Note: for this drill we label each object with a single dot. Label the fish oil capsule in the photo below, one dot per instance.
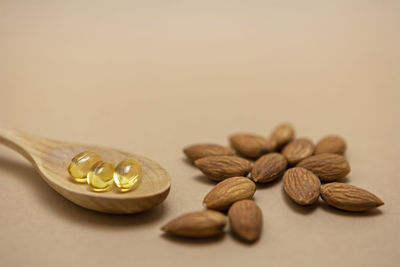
(80, 165)
(100, 176)
(127, 175)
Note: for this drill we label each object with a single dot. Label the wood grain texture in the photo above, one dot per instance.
(172, 73)
(51, 158)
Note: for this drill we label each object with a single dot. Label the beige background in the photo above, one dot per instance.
(151, 77)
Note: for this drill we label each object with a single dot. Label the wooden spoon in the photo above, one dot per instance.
(51, 158)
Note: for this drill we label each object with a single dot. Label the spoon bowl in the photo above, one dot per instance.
(51, 158)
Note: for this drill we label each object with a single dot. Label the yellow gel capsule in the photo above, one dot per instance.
(100, 176)
(80, 165)
(127, 175)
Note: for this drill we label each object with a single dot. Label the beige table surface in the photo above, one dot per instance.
(151, 77)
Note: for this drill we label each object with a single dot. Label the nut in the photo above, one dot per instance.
(327, 167)
(298, 150)
(301, 185)
(198, 151)
(219, 168)
(268, 168)
(229, 191)
(349, 197)
(205, 223)
(251, 145)
(246, 220)
(331, 144)
(283, 134)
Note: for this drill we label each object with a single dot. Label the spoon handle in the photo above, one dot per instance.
(29, 146)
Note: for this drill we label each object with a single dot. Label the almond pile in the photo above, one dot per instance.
(258, 159)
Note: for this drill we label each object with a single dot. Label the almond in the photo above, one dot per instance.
(283, 134)
(198, 151)
(205, 223)
(301, 185)
(327, 167)
(331, 144)
(298, 150)
(251, 145)
(219, 168)
(229, 191)
(246, 220)
(269, 167)
(349, 197)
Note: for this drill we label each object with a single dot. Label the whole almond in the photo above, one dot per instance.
(251, 145)
(349, 197)
(268, 168)
(298, 150)
(205, 223)
(219, 168)
(246, 220)
(331, 144)
(301, 185)
(283, 134)
(198, 151)
(230, 190)
(327, 167)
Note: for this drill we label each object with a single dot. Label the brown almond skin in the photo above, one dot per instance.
(301, 186)
(246, 220)
(198, 151)
(268, 168)
(327, 166)
(218, 168)
(227, 192)
(283, 134)
(331, 144)
(298, 150)
(207, 223)
(251, 145)
(349, 197)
